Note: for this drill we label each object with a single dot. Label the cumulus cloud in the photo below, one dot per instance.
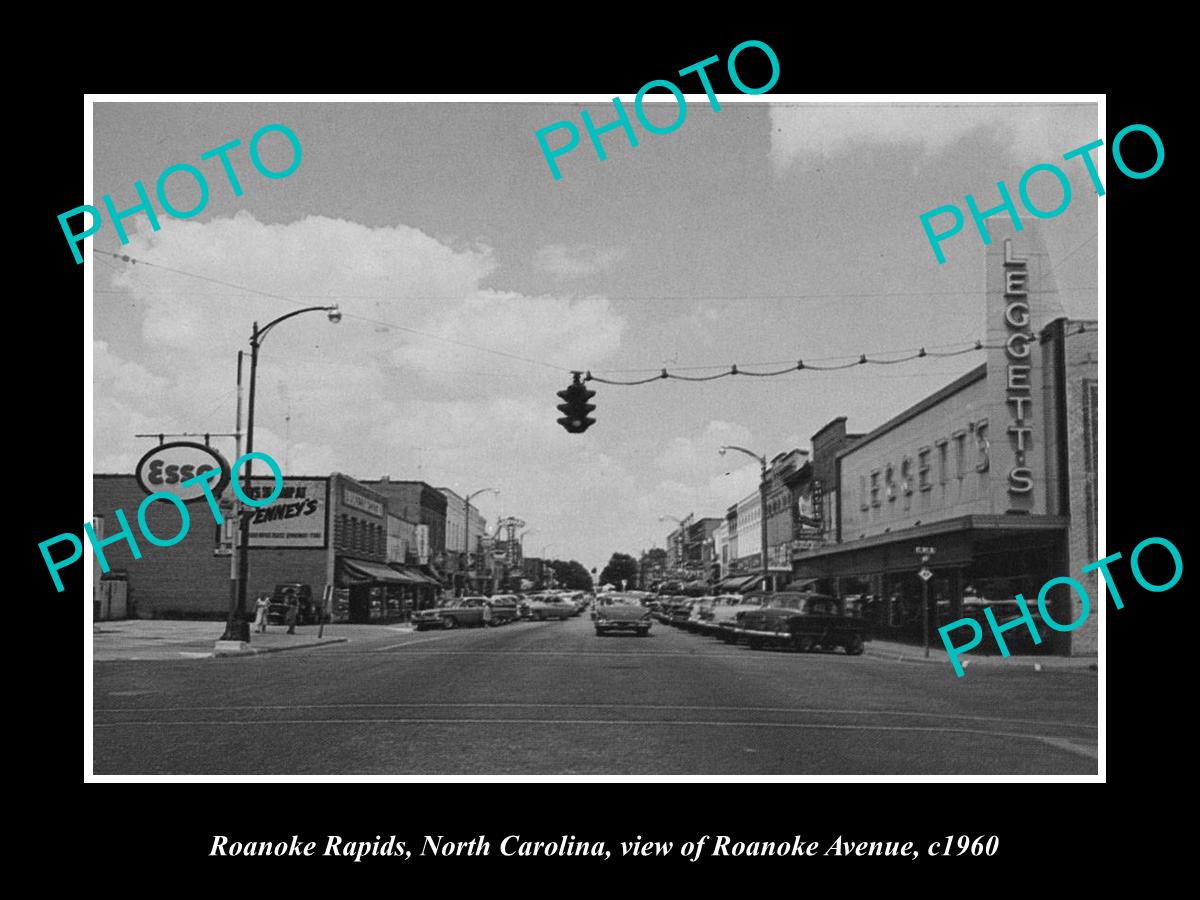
(577, 261)
(362, 395)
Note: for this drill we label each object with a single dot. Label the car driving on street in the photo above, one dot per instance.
(623, 614)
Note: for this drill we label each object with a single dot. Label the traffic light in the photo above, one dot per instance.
(575, 407)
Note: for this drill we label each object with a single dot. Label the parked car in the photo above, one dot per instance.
(623, 614)
(277, 609)
(725, 616)
(504, 608)
(548, 607)
(454, 612)
(802, 621)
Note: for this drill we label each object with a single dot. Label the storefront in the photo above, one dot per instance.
(987, 486)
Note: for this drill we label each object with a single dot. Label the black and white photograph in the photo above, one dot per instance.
(693, 433)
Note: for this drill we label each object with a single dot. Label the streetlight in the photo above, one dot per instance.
(762, 492)
(467, 525)
(236, 628)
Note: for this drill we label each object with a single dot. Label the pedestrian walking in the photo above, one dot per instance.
(293, 609)
(260, 613)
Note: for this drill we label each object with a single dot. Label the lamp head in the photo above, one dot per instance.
(722, 450)
(335, 314)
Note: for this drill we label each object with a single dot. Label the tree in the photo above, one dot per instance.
(621, 567)
(571, 575)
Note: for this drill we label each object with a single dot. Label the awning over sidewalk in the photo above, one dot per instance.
(739, 583)
(362, 570)
(413, 576)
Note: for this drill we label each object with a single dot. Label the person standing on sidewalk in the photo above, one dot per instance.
(293, 609)
(260, 613)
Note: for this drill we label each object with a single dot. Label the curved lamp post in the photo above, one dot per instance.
(467, 526)
(762, 493)
(236, 629)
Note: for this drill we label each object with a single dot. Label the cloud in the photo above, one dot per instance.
(801, 133)
(575, 262)
(375, 394)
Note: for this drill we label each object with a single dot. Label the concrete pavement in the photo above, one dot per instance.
(163, 639)
(553, 698)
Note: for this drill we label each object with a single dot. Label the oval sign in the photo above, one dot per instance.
(167, 466)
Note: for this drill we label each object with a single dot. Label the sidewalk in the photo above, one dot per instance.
(161, 639)
(938, 656)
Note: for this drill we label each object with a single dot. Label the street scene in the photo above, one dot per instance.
(537, 697)
(411, 459)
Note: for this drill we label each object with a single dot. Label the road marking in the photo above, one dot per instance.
(409, 643)
(1071, 746)
(668, 723)
(618, 706)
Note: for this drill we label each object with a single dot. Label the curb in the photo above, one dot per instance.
(255, 652)
(1037, 663)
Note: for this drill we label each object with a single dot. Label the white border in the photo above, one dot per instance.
(883, 99)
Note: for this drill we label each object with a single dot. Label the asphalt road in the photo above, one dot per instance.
(553, 698)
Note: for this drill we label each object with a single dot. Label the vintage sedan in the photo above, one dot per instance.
(503, 608)
(623, 614)
(455, 612)
(549, 607)
(801, 621)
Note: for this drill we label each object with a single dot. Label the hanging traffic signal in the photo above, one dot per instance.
(575, 407)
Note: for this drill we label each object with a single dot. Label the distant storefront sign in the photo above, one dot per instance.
(358, 501)
(297, 518)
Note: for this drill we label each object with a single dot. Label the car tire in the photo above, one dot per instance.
(600, 632)
(803, 644)
(854, 646)
(645, 632)
(449, 622)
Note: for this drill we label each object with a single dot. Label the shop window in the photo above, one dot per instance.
(923, 467)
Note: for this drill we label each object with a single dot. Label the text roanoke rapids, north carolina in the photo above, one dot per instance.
(569, 845)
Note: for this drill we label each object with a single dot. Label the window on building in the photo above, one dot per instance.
(865, 501)
(875, 487)
(943, 460)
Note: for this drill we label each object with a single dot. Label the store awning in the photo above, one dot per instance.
(413, 576)
(738, 583)
(362, 570)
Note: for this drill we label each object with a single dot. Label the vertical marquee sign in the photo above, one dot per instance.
(1021, 300)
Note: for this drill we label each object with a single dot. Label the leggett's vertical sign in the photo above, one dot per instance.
(1017, 318)
(1021, 299)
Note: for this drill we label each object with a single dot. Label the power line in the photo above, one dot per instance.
(537, 362)
(813, 365)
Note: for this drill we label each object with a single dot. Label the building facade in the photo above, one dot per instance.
(995, 472)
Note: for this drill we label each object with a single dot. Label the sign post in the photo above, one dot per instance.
(924, 573)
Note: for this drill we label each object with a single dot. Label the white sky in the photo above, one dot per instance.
(760, 233)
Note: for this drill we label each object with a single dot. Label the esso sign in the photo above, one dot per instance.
(167, 466)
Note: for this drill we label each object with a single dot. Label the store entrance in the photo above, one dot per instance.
(360, 602)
